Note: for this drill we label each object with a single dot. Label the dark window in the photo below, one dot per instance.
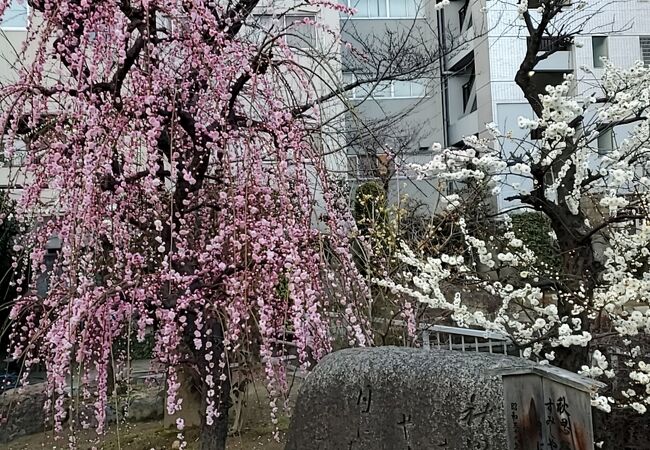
(599, 47)
(467, 94)
(367, 166)
(364, 167)
(537, 133)
(645, 49)
(462, 12)
(605, 141)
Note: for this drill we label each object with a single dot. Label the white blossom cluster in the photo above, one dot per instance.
(615, 182)
(453, 163)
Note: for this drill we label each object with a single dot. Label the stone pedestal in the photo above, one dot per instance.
(22, 412)
(392, 398)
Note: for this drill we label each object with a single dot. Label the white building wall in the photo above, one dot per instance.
(622, 23)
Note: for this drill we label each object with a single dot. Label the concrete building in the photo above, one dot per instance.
(479, 86)
(13, 31)
(472, 50)
(482, 44)
(393, 123)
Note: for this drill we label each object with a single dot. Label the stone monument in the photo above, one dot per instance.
(390, 398)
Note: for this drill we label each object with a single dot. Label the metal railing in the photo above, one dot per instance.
(457, 338)
(549, 44)
(466, 339)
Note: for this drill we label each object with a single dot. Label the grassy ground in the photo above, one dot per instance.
(147, 436)
(257, 432)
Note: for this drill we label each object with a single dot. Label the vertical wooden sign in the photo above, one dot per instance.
(548, 410)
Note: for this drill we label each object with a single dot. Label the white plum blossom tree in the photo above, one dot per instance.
(589, 313)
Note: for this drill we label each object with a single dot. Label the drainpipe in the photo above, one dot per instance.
(442, 69)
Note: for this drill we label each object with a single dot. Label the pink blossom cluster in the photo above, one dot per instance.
(180, 182)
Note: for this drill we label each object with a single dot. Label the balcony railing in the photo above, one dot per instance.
(549, 44)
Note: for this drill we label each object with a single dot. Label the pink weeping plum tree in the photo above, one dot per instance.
(179, 178)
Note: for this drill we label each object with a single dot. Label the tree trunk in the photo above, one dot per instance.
(213, 435)
(579, 268)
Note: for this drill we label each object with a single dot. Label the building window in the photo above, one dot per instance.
(403, 8)
(369, 8)
(297, 30)
(605, 141)
(462, 14)
(599, 47)
(368, 167)
(362, 167)
(15, 16)
(408, 89)
(353, 167)
(18, 153)
(396, 9)
(386, 89)
(302, 31)
(469, 93)
(645, 49)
